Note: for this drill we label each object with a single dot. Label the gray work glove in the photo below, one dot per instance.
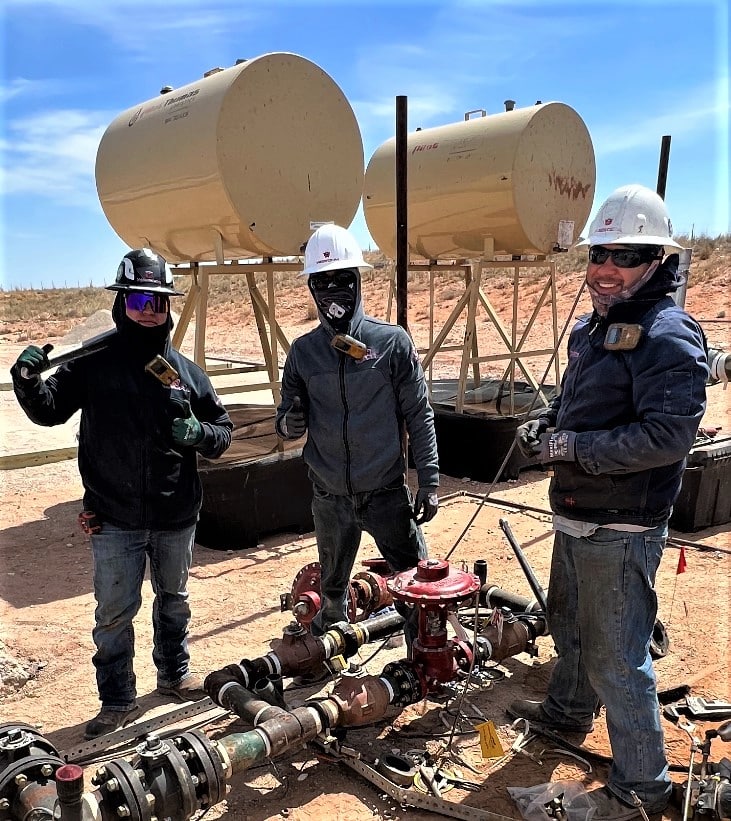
(558, 447)
(293, 424)
(32, 361)
(528, 437)
(426, 504)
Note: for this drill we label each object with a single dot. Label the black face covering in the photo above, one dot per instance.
(142, 342)
(335, 294)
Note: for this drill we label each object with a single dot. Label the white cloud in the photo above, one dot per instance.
(699, 111)
(52, 155)
(137, 25)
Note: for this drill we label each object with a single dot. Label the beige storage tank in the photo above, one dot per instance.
(500, 184)
(235, 165)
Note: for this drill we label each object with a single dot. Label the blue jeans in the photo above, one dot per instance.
(120, 557)
(601, 612)
(339, 522)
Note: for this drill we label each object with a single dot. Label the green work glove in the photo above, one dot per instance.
(32, 362)
(187, 430)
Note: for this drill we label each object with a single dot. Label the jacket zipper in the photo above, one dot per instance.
(341, 374)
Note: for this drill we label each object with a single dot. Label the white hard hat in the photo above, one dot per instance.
(631, 215)
(332, 247)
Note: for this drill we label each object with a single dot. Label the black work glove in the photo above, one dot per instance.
(558, 447)
(528, 437)
(426, 505)
(32, 362)
(293, 423)
(187, 430)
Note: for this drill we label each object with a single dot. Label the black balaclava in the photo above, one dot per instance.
(336, 295)
(142, 343)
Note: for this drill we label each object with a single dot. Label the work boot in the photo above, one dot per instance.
(611, 808)
(110, 719)
(535, 714)
(189, 689)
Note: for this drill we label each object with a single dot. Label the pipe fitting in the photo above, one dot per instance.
(360, 700)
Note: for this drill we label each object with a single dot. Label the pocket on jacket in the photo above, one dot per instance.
(678, 393)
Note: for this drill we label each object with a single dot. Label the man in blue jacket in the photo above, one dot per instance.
(617, 437)
(353, 383)
(138, 443)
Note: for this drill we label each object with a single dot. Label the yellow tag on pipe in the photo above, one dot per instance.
(489, 741)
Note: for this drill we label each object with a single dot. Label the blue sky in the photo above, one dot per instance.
(633, 71)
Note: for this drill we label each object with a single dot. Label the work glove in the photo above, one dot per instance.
(558, 447)
(32, 362)
(426, 505)
(187, 430)
(528, 437)
(293, 423)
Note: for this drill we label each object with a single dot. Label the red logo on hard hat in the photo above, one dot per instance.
(326, 254)
(608, 222)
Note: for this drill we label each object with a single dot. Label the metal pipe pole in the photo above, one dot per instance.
(662, 171)
(535, 585)
(402, 223)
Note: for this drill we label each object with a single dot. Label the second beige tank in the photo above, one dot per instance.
(510, 183)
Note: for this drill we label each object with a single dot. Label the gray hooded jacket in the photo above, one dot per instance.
(356, 409)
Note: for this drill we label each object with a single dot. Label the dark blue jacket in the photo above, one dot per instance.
(134, 475)
(635, 412)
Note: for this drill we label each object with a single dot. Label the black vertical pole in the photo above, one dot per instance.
(402, 222)
(662, 171)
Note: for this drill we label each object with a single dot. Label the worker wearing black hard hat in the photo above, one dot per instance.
(146, 412)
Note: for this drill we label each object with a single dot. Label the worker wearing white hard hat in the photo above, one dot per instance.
(617, 437)
(352, 384)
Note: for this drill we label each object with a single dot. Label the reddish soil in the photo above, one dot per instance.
(46, 603)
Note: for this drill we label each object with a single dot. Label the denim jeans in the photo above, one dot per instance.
(601, 612)
(120, 557)
(386, 514)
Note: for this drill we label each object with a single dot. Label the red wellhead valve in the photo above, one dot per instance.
(435, 589)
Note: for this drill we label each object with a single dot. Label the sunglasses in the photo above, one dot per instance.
(138, 300)
(621, 257)
(338, 279)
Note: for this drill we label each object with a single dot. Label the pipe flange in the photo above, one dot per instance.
(30, 767)
(397, 768)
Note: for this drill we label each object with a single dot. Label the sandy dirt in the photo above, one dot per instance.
(46, 603)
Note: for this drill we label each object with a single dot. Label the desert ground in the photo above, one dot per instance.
(46, 601)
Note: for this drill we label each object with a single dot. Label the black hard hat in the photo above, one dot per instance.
(144, 270)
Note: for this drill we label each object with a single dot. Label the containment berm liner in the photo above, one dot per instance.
(514, 183)
(238, 164)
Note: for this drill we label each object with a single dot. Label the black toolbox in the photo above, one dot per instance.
(705, 495)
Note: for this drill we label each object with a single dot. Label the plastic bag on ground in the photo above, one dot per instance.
(531, 801)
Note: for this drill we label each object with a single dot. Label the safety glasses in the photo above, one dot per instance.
(621, 257)
(336, 279)
(138, 300)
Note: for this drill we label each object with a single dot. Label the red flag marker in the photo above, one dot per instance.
(682, 564)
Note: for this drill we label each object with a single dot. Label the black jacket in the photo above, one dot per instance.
(134, 475)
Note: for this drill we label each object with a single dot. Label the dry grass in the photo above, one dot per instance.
(65, 306)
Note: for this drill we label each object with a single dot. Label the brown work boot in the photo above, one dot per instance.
(189, 689)
(535, 714)
(110, 719)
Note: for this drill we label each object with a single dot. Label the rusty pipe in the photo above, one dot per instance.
(508, 640)
(298, 652)
(361, 700)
